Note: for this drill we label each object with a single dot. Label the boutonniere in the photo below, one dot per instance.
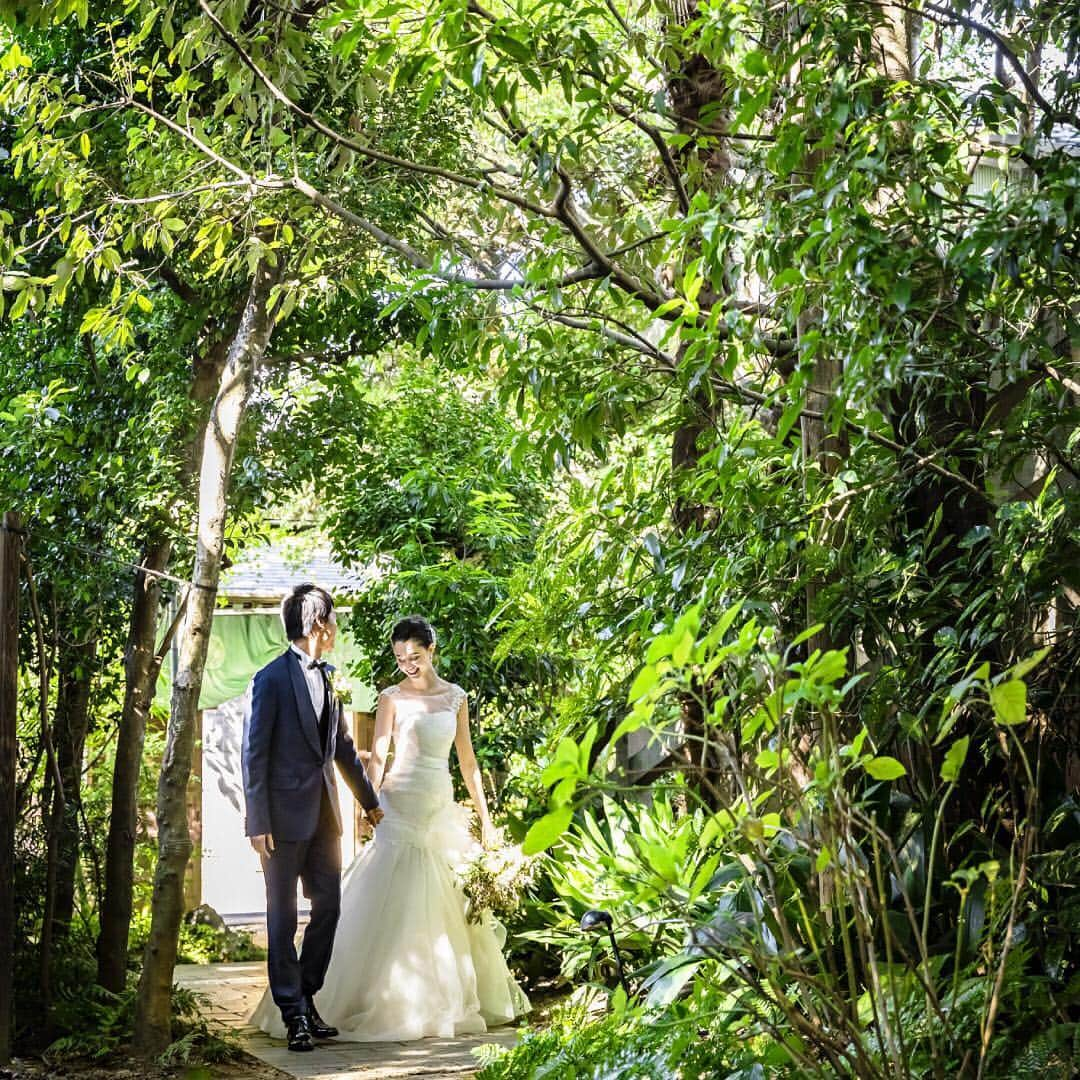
(340, 688)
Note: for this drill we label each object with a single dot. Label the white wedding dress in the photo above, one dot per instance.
(406, 963)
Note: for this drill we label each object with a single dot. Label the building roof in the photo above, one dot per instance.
(264, 574)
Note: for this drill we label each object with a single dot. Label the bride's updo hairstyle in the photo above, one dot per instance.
(413, 628)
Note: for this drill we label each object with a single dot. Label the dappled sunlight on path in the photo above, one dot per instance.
(233, 990)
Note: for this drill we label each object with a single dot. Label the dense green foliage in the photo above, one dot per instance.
(708, 373)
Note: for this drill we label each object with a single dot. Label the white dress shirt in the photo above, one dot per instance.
(313, 676)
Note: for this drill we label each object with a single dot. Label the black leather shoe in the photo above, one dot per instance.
(300, 1034)
(320, 1029)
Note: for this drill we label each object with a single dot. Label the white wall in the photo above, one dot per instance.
(232, 879)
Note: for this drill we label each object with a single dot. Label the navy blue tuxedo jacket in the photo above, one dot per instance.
(286, 770)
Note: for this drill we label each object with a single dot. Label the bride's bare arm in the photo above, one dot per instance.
(470, 772)
(380, 744)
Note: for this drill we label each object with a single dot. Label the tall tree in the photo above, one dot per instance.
(153, 1027)
(142, 664)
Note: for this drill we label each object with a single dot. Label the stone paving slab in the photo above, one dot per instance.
(233, 990)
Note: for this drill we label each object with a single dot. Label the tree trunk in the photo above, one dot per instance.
(10, 530)
(154, 1003)
(696, 90)
(823, 451)
(72, 719)
(141, 667)
(896, 43)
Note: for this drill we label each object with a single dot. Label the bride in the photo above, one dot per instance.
(406, 962)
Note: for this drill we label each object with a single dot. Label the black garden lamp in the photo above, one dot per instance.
(598, 922)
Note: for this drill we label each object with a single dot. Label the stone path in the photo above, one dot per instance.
(233, 990)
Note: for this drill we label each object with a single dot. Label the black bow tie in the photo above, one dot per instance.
(322, 665)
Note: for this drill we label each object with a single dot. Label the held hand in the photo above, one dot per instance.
(263, 844)
(489, 836)
(374, 815)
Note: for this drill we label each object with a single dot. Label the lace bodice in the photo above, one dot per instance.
(424, 726)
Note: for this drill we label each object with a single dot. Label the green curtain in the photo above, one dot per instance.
(241, 644)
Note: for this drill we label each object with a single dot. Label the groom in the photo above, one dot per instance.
(293, 734)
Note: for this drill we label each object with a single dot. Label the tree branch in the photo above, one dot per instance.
(178, 285)
(311, 120)
(419, 261)
(922, 462)
(564, 211)
(170, 632)
(663, 150)
(1059, 376)
(601, 264)
(627, 340)
(191, 137)
(948, 17)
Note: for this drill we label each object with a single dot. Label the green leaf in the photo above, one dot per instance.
(18, 308)
(558, 770)
(1009, 700)
(787, 421)
(636, 720)
(954, 759)
(767, 759)
(885, 768)
(84, 145)
(1018, 671)
(755, 63)
(807, 634)
(547, 830)
(518, 50)
(646, 679)
(567, 750)
(901, 293)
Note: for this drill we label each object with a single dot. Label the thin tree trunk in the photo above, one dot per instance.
(823, 449)
(823, 452)
(72, 720)
(700, 760)
(141, 669)
(10, 530)
(154, 1003)
(696, 89)
(75, 673)
(52, 810)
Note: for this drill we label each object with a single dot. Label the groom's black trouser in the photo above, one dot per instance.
(317, 864)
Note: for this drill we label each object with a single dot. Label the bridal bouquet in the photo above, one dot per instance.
(494, 880)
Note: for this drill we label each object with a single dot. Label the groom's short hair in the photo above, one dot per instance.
(305, 606)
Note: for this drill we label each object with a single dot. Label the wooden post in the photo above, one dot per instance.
(363, 735)
(10, 544)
